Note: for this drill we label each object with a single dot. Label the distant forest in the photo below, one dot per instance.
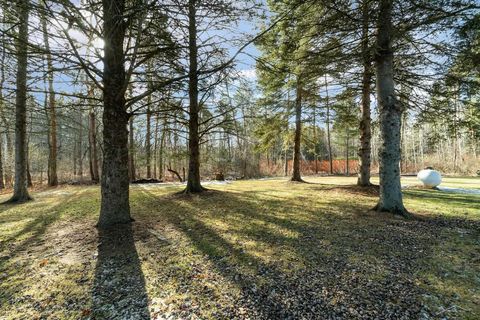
(176, 90)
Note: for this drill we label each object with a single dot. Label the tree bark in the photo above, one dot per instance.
(29, 174)
(390, 117)
(2, 184)
(7, 167)
(296, 176)
(329, 140)
(75, 157)
(92, 141)
(52, 115)
(8, 155)
(2, 80)
(193, 180)
(315, 155)
(80, 144)
(347, 152)
(115, 207)
(155, 147)
(403, 143)
(131, 150)
(287, 131)
(455, 133)
(365, 150)
(148, 144)
(20, 192)
(162, 147)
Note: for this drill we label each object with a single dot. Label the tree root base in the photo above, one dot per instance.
(369, 184)
(106, 226)
(18, 200)
(188, 191)
(402, 212)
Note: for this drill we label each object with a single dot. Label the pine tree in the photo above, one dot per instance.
(20, 192)
(390, 110)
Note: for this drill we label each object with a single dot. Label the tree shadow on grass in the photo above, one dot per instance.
(456, 198)
(35, 228)
(323, 265)
(24, 240)
(460, 204)
(119, 286)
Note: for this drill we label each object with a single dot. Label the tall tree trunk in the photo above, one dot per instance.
(473, 143)
(390, 117)
(296, 176)
(92, 150)
(80, 144)
(365, 150)
(20, 192)
(162, 147)
(2, 184)
(193, 181)
(403, 142)
(287, 130)
(148, 144)
(239, 148)
(115, 207)
(131, 151)
(347, 151)
(2, 80)
(155, 147)
(315, 154)
(245, 144)
(414, 151)
(329, 140)
(8, 138)
(8, 155)
(29, 173)
(52, 115)
(455, 134)
(421, 148)
(75, 157)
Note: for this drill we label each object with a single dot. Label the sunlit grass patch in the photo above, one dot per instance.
(249, 248)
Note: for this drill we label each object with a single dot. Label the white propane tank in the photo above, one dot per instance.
(430, 178)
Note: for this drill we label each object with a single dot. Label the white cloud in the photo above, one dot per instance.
(248, 73)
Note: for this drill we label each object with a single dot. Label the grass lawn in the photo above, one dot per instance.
(264, 249)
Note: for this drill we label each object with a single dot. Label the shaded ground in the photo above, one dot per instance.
(248, 250)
